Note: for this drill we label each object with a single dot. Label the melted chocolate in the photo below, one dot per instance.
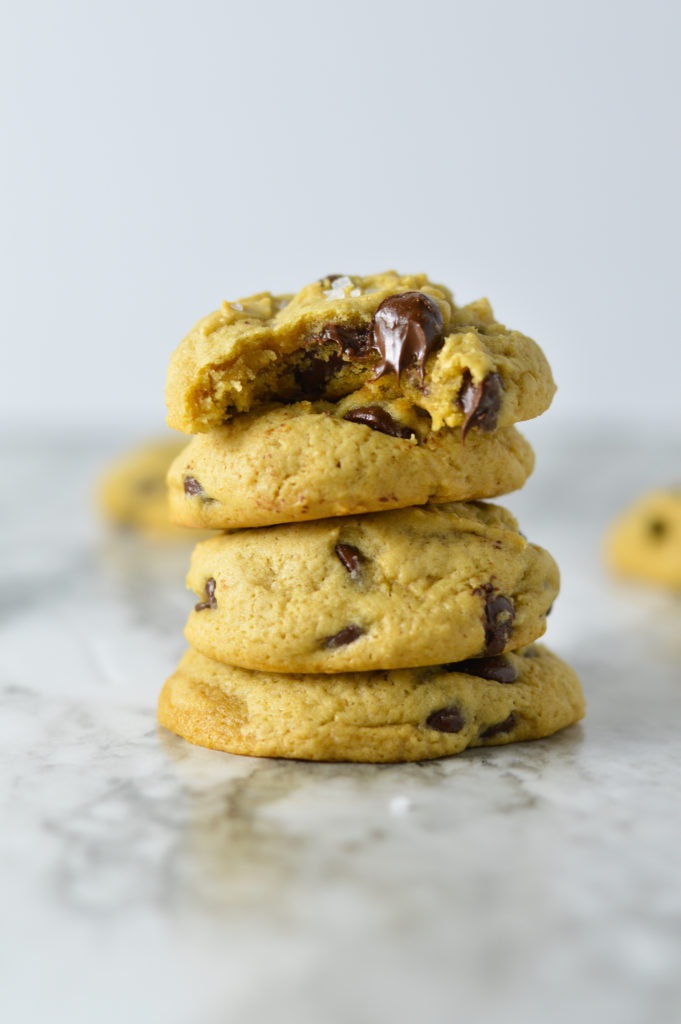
(192, 486)
(351, 558)
(480, 402)
(497, 668)
(314, 377)
(446, 720)
(211, 600)
(405, 329)
(499, 728)
(497, 618)
(352, 341)
(378, 419)
(345, 636)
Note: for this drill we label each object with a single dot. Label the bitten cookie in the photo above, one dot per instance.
(416, 586)
(456, 364)
(132, 491)
(407, 715)
(312, 460)
(645, 542)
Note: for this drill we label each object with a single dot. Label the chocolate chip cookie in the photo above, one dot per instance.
(406, 715)
(455, 364)
(645, 542)
(417, 586)
(132, 490)
(312, 460)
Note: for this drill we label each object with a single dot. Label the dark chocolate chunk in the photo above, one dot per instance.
(330, 278)
(446, 720)
(405, 329)
(211, 600)
(378, 419)
(351, 558)
(351, 341)
(658, 528)
(480, 402)
(345, 636)
(192, 486)
(497, 618)
(497, 668)
(499, 728)
(313, 378)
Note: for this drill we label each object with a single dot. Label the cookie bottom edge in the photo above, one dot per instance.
(379, 717)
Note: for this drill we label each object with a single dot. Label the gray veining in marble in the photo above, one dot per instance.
(143, 879)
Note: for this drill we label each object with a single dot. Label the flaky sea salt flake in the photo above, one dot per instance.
(338, 290)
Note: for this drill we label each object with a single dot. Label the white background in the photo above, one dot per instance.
(162, 156)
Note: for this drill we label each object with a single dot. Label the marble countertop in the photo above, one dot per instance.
(144, 879)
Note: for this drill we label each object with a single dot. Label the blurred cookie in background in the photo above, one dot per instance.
(645, 541)
(132, 490)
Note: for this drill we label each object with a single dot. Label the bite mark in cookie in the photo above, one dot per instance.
(245, 355)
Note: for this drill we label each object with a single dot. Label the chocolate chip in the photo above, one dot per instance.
(531, 652)
(446, 720)
(378, 419)
(405, 329)
(351, 341)
(499, 669)
(313, 378)
(480, 402)
(658, 528)
(497, 618)
(211, 600)
(330, 278)
(192, 486)
(351, 558)
(499, 728)
(345, 636)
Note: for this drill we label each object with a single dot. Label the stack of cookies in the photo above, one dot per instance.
(363, 604)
